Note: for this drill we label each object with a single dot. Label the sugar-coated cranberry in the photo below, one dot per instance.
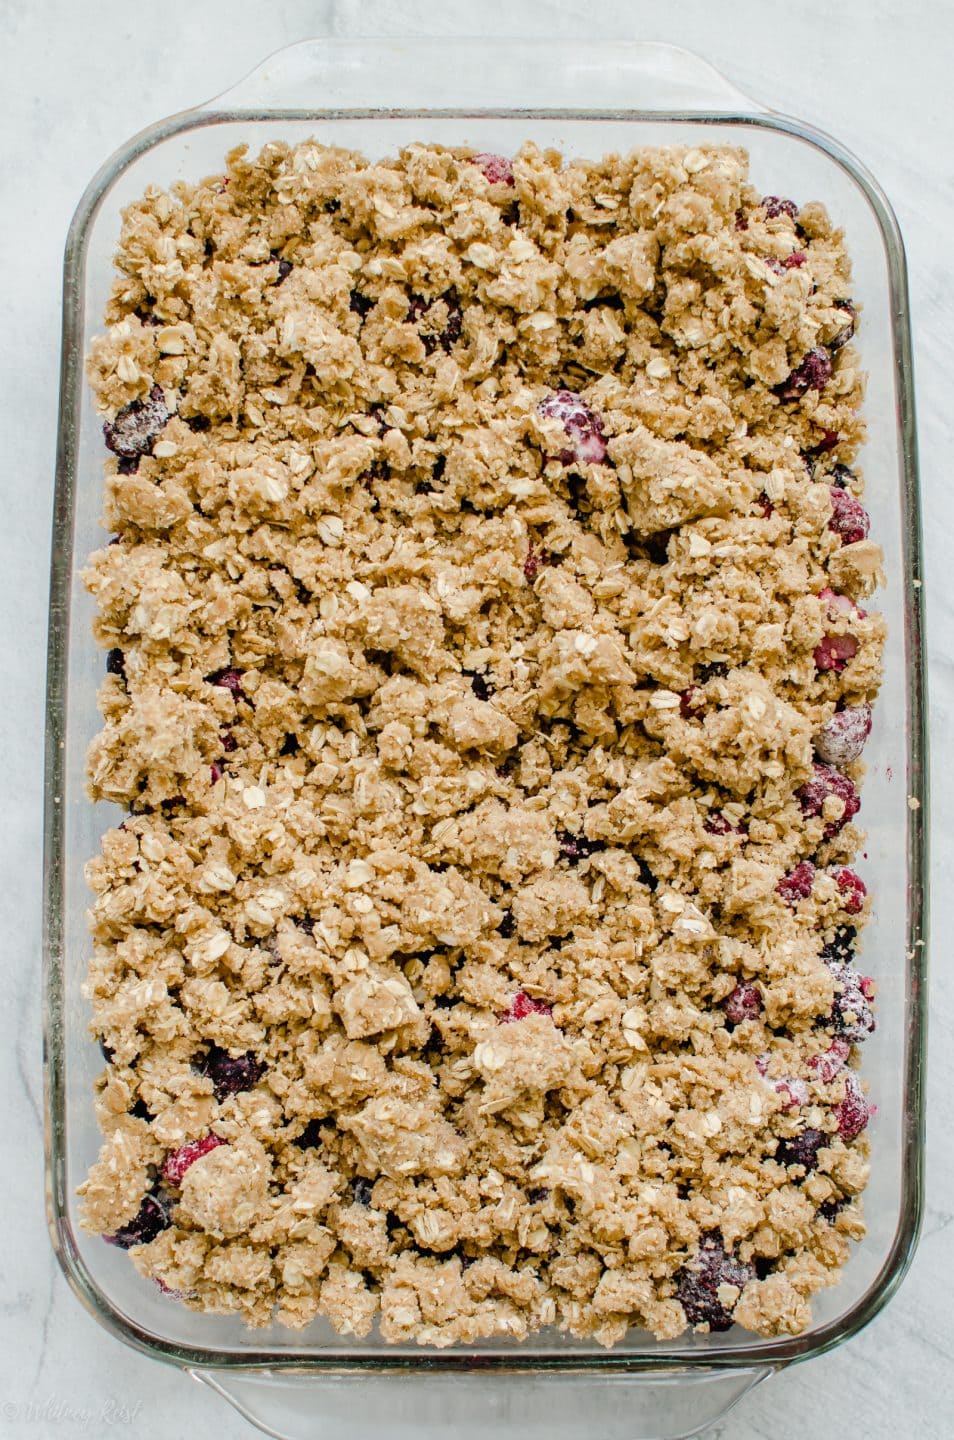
(827, 1065)
(744, 1003)
(851, 888)
(775, 205)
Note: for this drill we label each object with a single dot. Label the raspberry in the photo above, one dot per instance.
(801, 1149)
(745, 1003)
(854, 1112)
(852, 889)
(813, 373)
(217, 770)
(851, 1014)
(133, 432)
(774, 205)
(825, 782)
(764, 505)
(496, 169)
(794, 1092)
(228, 741)
(797, 884)
(580, 422)
(849, 518)
(834, 1059)
(230, 1074)
(178, 1162)
(419, 307)
(523, 1005)
(842, 737)
(829, 440)
(795, 260)
(697, 1289)
(150, 1221)
(717, 824)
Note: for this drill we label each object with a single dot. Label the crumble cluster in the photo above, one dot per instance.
(488, 674)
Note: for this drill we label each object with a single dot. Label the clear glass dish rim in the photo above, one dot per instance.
(772, 1354)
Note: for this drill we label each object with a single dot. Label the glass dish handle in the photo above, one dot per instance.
(334, 73)
(472, 1404)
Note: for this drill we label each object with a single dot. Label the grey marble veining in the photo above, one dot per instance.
(77, 81)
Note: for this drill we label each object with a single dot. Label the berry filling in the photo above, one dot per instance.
(580, 423)
(828, 783)
(523, 1005)
(797, 884)
(133, 432)
(496, 169)
(813, 373)
(842, 737)
(230, 1074)
(849, 518)
(179, 1161)
(701, 1281)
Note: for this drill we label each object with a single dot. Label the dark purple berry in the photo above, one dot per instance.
(851, 1013)
(577, 847)
(228, 741)
(697, 1289)
(479, 684)
(310, 1137)
(116, 663)
(362, 1190)
(775, 205)
(813, 373)
(360, 304)
(198, 423)
(841, 949)
(508, 926)
(284, 267)
(230, 1074)
(228, 680)
(847, 332)
(801, 1149)
(831, 1209)
(152, 1219)
(842, 476)
(854, 1112)
(134, 430)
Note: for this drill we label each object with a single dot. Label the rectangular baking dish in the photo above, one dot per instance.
(584, 99)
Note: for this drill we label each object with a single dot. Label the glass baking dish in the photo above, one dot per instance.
(583, 98)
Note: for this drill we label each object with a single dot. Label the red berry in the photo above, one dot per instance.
(825, 782)
(228, 680)
(835, 651)
(849, 518)
(523, 1005)
(797, 884)
(842, 737)
(852, 889)
(764, 505)
(717, 824)
(690, 700)
(795, 260)
(580, 422)
(854, 1112)
(534, 563)
(834, 1059)
(813, 373)
(179, 1161)
(496, 169)
(745, 1003)
(829, 440)
(794, 1092)
(775, 205)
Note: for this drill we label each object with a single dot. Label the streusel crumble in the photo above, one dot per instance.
(488, 675)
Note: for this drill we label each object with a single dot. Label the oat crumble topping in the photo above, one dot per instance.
(488, 674)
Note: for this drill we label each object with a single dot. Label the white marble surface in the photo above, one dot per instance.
(76, 81)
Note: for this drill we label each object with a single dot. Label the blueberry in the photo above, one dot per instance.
(801, 1149)
(134, 430)
(362, 1190)
(813, 373)
(230, 1074)
(360, 304)
(697, 1289)
(151, 1220)
(116, 663)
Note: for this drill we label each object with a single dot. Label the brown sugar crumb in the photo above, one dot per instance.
(477, 952)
